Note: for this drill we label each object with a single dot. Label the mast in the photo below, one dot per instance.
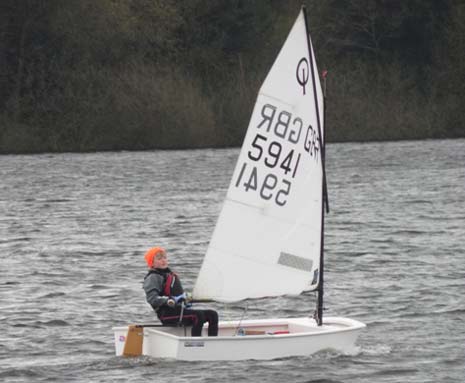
(324, 199)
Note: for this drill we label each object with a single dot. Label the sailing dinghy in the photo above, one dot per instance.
(268, 240)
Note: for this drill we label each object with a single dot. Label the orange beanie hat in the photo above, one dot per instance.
(151, 253)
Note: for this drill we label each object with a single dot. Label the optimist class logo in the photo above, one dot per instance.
(302, 73)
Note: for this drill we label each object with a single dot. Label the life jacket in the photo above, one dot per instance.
(171, 283)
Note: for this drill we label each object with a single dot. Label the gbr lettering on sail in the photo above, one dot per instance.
(278, 142)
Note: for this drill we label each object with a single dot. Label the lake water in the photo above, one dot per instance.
(74, 228)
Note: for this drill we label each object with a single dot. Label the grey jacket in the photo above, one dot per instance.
(153, 287)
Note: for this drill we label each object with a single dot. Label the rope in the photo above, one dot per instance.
(240, 320)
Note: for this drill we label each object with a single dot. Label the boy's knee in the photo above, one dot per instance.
(213, 315)
(200, 316)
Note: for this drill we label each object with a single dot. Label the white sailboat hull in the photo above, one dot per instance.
(262, 339)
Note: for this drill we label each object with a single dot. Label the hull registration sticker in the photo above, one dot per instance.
(195, 343)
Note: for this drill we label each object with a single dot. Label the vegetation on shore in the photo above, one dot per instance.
(85, 75)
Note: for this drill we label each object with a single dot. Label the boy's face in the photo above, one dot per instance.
(160, 261)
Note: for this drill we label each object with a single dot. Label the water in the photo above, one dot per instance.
(74, 227)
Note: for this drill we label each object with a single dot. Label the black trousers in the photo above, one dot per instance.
(196, 318)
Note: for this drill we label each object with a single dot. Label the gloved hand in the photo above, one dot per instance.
(186, 297)
(171, 302)
(179, 298)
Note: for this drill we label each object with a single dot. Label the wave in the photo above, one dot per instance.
(55, 323)
(376, 350)
(42, 324)
(9, 283)
(28, 373)
(52, 295)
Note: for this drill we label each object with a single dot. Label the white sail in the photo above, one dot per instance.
(268, 236)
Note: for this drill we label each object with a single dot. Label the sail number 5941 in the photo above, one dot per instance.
(266, 186)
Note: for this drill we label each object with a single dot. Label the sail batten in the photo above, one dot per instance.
(271, 221)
